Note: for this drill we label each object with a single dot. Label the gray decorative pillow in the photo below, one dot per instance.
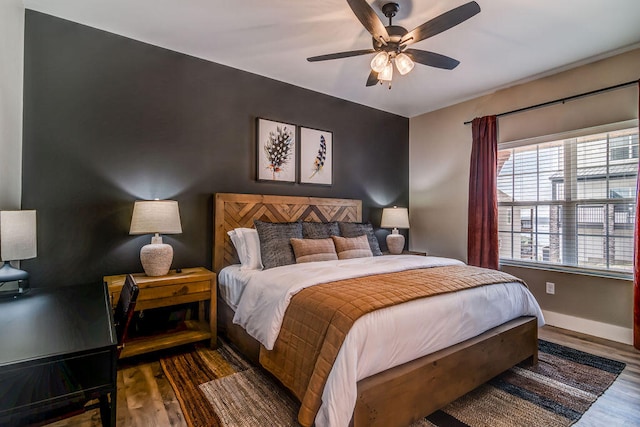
(355, 229)
(320, 230)
(275, 246)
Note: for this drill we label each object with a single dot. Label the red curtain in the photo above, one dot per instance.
(636, 264)
(482, 243)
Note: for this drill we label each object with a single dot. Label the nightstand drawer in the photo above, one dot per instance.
(170, 294)
(409, 253)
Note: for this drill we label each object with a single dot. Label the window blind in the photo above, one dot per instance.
(570, 201)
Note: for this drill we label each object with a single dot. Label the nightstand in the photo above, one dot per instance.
(189, 285)
(408, 253)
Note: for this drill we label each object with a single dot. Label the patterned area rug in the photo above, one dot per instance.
(219, 388)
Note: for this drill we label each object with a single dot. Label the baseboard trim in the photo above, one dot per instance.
(590, 327)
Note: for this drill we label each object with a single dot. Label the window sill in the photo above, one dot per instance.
(566, 269)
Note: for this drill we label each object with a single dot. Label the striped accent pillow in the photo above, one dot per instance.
(310, 250)
(355, 229)
(352, 247)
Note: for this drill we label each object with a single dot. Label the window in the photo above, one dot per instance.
(570, 202)
(623, 148)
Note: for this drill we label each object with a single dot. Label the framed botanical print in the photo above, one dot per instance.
(316, 156)
(276, 146)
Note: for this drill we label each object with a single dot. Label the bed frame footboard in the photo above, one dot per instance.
(406, 393)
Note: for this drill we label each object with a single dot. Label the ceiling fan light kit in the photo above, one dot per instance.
(387, 73)
(379, 62)
(391, 42)
(404, 64)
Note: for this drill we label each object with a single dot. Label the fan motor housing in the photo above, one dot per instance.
(396, 33)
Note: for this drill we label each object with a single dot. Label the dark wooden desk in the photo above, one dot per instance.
(57, 347)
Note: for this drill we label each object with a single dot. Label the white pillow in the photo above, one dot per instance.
(252, 249)
(247, 245)
(238, 242)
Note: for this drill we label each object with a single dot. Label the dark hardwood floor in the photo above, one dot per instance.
(145, 397)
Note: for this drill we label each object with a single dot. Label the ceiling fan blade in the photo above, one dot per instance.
(441, 23)
(340, 55)
(372, 80)
(369, 19)
(432, 59)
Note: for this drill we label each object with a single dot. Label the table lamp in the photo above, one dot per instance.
(395, 218)
(155, 217)
(17, 242)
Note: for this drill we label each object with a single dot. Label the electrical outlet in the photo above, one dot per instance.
(551, 288)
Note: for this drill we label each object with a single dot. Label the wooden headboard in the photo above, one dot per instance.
(239, 210)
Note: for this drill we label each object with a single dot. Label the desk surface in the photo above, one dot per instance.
(50, 322)
(58, 351)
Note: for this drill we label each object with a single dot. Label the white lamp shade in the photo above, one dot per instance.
(404, 63)
(387, 73)
(379, 62)
(155, 216)
(18, 235)
(395, 217)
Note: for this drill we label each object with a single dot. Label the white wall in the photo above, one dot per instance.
(11, 83)
(439, 154)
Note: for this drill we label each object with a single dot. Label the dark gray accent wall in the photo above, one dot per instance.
(109, 120)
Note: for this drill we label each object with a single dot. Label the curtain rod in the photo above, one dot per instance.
(563, 100)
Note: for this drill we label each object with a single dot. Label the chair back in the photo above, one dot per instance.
(124, 310)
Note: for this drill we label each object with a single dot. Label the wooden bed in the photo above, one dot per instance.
(405, 393)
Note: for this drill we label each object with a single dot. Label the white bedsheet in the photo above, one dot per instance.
(384, 338)
(231, 283)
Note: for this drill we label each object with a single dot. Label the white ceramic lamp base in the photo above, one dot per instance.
(395, 243)
(156, 258)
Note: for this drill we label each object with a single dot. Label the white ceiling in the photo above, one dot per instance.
(509, 41)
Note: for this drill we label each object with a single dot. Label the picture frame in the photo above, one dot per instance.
(316, 156)
(276, 145)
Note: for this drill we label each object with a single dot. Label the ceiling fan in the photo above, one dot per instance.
(390, 43)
